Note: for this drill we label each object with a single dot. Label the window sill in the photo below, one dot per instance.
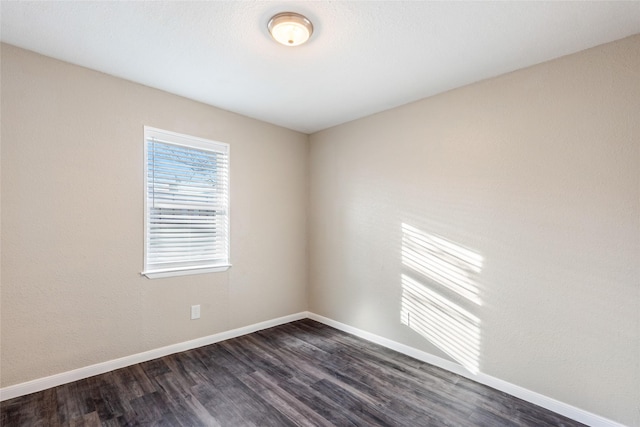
(159, 274)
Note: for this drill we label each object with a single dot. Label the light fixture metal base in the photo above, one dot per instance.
(290, 28)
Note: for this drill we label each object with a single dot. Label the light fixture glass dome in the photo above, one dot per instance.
(290, 29)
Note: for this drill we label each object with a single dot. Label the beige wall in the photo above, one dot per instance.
(72, 220)
(536, 174)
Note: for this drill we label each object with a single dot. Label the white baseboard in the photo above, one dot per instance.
(558, 407)
(100, 368)
(512, 389)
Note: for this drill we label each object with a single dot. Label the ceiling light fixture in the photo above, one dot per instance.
(290, 29)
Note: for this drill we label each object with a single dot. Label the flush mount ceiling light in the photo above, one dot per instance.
(290, 29)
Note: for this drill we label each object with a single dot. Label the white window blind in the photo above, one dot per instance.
(187, 204)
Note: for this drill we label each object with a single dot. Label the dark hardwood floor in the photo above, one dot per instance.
(299, 374)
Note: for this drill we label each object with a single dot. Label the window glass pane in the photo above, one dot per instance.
(186, 203)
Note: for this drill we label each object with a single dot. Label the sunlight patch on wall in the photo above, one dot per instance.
(450, 327)
(442, 261)
(438, 267)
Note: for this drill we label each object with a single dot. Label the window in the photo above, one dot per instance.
(186, 204)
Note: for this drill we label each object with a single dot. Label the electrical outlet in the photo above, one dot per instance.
(195, 312)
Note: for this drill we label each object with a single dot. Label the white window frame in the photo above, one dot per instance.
(173, 138)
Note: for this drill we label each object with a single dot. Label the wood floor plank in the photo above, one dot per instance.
(302, 374)
(86, 420)
(132, 382)
(285, 403)
(374, 379)
(150, 408)
(186, 408)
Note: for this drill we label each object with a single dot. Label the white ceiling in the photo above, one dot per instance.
(364, 57)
